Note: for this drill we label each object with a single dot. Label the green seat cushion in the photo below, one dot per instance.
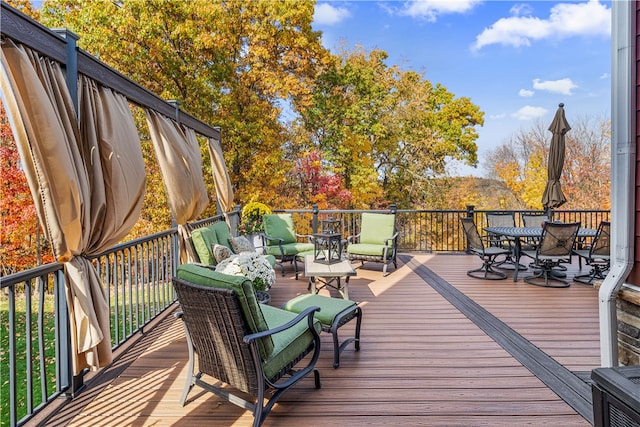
(366, 249)
(329, 307)
(271, 259)
(222, 233)
(375, 228)
(290, 249)
(288, 344)
(203, 240)
(245, 292)
(279, 225)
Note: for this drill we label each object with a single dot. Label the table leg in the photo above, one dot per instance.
(344, 291)
(517, 249)
(314, 288)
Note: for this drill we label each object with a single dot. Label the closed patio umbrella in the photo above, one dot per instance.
(552, 196)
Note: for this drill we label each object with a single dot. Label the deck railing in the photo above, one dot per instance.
(35, 341)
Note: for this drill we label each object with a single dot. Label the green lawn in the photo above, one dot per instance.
(22, 364)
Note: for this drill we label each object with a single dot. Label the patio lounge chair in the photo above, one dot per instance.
(282, 241)
(488, 253)
(254, 348)
(597, 255)
(556, 246)
(376, 242)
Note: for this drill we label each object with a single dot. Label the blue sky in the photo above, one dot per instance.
(515, 60)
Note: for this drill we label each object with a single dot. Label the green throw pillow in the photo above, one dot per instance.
(203, 240)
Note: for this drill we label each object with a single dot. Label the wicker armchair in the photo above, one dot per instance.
(252, 347)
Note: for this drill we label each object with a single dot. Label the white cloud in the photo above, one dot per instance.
(526, 93)
(529, 113)
(431, 9)
(591, 18)
(563, 86)
(521, 9)
(605, 76)
(326, 14)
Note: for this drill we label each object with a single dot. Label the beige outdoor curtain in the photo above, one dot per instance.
(180, 162)
(224, 190)
(87, 179)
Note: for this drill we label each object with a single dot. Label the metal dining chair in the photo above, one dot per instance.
(488, 253)
(506, 219)
(556, 246)
(597, 255)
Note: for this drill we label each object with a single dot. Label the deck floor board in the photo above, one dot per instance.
(423, 361)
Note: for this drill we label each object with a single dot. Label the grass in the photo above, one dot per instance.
(131, 315)
(22, 364)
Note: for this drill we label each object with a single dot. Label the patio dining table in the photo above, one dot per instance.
(518, 233)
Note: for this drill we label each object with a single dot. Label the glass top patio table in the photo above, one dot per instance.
(529, 232)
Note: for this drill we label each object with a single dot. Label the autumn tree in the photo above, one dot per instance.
(316, 185)
(21, 244)
(386, 130)
(231, 64)
(521, 163)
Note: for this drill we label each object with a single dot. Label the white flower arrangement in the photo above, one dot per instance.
(253, 266)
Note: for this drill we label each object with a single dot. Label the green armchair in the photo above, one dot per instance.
(282, 241)
(254, 348)
(377, 241)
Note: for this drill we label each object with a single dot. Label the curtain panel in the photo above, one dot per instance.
(86, 177)
(224, 189)
(180, 163)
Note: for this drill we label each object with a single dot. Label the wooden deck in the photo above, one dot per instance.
(438, 349)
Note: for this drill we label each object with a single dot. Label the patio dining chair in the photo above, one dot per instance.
(533, 219)
(597, 255)
(487, 252)
(555, 247)
(495, 219)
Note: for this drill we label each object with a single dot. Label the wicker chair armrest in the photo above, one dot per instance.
(306, 314)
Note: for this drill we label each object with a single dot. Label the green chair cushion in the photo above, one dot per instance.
(290, 249)
(287, 344)
(245, 292)
(329, 307)
(375, 227)
(279, 225)
(367, 249)
(271, 259)
(222, 233)
(203, 240)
